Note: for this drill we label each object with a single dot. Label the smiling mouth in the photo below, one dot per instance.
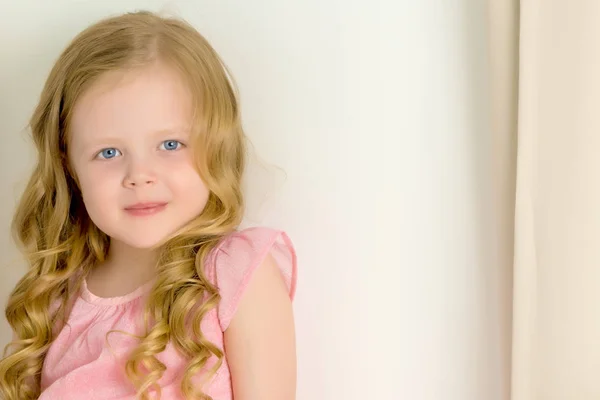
(143, 209)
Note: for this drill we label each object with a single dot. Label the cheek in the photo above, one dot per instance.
(98, 189)
(189, 187)
(190, 182)
(180, 171)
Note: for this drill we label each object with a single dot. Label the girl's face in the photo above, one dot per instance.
(128, 147)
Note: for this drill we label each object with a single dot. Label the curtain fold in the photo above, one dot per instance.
(503, 23)
(556, 257)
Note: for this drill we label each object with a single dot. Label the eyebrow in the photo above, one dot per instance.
(115, 139)
(171, 131)
(103, 141)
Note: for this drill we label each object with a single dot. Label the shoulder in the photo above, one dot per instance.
(259, 257)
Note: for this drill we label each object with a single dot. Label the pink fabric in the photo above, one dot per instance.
(80, 365)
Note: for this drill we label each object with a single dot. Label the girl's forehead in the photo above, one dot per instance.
(140, 101)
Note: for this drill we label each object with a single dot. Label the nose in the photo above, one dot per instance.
(139, 173)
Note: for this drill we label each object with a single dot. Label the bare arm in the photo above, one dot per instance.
(260, 341)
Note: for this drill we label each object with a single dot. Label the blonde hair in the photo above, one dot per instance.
(60, 241)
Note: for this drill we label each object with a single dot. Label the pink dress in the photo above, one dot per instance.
(79, 364)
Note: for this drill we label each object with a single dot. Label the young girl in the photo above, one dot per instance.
(140, 284)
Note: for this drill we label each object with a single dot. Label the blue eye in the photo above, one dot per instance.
(171, 145)
(109, 153)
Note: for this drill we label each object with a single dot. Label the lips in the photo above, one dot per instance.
(141, 209)
(142, 206)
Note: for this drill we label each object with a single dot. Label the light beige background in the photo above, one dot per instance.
(379, 114)
(556, 353)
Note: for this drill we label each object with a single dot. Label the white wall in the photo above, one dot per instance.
(377, 111)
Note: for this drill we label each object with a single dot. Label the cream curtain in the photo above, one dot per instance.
(545, 84)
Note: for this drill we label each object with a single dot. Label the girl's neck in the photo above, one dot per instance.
(129, 263)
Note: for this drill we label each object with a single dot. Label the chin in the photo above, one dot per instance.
(142, 240)
(149, 244)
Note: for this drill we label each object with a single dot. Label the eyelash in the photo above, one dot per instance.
(179, 146)
(173, 141)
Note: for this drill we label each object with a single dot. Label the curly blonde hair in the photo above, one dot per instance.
(60, 241)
